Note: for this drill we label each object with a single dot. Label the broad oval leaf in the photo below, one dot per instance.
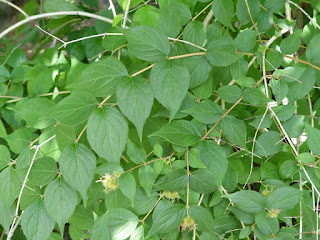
(75, 108)
(174, 180)
(223, 10)
(107, 133)
(167, 220)
(179, 132)
(36, 223)
(127, 185)
(284, 198)
(235, 130)
(203, 219)
(100, 78)
(147, 43)
(135, 100)
(147, 178)
(43, 171)
(77, 163)
(170, 81)
(203, 181)
(266, 224)
(60, 201)
(313, 139)
(248, 201)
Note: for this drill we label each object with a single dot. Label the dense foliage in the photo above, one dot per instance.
(168, 119)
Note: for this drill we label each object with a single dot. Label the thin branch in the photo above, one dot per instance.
(305, 13)
(223, 116)
(253, 23)
(208, 18)
(51, 14)
(36, 147)
(112, 8)
(186, 42)
(253, 145)
(142, 70)
(15, 7)
(12, 51)
(302, 61)
(81, 133)
(186, 55)
(145, 217)
(125, 16)
(194, 18)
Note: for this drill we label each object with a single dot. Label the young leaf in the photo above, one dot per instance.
(127, 185)
(167, 220)
(206, 112)
(283, 199)
(36, 223)
(100, 78)
(234, 130)
(203, 181)
(170, 81)
(107, 133)
(194, 160)
(147, 178)
(306, 158)
(223, 10)
(135, 100)
(147, 43)
(77, 106)
(77, 163)
(43, 171)
(214, 157)
(248, 201)
(60, 201)
(179, 132)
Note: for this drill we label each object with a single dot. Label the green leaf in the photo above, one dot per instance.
(43, 171)
(199, 70)
(6, 215)
(210, 150)
(194, 159)
(60, 201)
(110, 42)
(77, 163)
(100, 78)
(313, 49)
(234, 130)
(19, 140)
(230, 93)
(246, 40)
(279, 89)
(203, 181)
(265, 224)
(206, 112)
(222, 52)
(272, 6)
(268, 143)
(203, 219)
(9, 186)
(135, 100)
(255, 96)
(195, 32)
(306, 158)
(174, 180)
(100, 231)
(170, 80)
(167, 220)
(283, 199)
(246, 82)
(147, 16)
(291, 44)
(58, 5)
(239, 68)
(36, 223)
(4, 156)
(248, 201)
(179, 132)
(147, 178)
(243, 11)
(294, 126)
(245, 232)
(75, 109)
(137, 155)
(223, 10)
(127, 185)
(82, 218)
(121, 223)
(4, 74)
(107, 133)
(147, 43)
(36, 112)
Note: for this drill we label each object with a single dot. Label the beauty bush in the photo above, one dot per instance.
(168, 119)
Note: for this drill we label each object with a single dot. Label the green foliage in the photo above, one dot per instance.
(175, 119)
